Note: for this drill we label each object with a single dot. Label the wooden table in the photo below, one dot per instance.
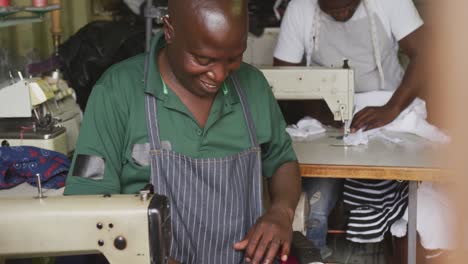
(325, 155)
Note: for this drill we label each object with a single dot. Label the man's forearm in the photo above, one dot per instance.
(413, 79)
(408, 89)
(285, 188)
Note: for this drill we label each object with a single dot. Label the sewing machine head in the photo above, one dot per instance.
(124, 228)
(334, 85)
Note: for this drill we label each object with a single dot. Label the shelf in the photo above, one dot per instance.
(38, 13)
(6, 11)
(19, 20)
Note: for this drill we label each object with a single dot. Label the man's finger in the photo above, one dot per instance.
(285, 249)
(272, 251)
(261, 249)
(373, 124)
(359, 117)
(362, 121)
(241, 245)
(253, 243)
(358, 125)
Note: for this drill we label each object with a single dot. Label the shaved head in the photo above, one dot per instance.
(205, 42)
(217, 17)
(230, 8)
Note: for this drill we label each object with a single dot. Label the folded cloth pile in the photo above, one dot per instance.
(307, 126)
(21, 164)
(411, 120)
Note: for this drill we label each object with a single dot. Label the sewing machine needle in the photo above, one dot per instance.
(346, 127)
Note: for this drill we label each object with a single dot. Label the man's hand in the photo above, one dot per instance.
(413, 81)
(374, 117)
(271, 234)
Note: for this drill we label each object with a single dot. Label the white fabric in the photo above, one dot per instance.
(411, 120)
(399, 18)
(436, 219)
(307, 126)
(399, 228)
(362, 137)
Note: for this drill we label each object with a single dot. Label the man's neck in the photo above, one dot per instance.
(199, 106)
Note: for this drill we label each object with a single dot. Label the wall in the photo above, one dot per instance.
(23, 38)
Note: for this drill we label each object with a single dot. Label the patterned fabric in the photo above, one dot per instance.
(21, 164)
(376, 205)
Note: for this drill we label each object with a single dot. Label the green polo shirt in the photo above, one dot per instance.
(114, 125)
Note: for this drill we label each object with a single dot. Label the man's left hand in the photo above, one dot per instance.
(271, 234)
(373, 117)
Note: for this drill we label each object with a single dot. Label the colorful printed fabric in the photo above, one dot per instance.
(21, 164)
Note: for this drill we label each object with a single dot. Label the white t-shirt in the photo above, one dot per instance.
(399, 19)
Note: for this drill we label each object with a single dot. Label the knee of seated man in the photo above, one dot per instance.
(316, 220)
(321, 202)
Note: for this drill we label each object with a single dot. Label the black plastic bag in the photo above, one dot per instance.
(94, 48)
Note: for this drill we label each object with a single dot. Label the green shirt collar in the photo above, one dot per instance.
(155, 85)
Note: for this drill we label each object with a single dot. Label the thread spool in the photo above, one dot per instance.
(39, 3)
(4, 3)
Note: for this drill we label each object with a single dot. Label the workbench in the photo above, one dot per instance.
(413, 159)
(325, 155)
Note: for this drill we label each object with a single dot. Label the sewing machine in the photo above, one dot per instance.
(334, 85)
(124, 228)
(39, 112)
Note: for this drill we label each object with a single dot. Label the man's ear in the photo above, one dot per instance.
(168, 29)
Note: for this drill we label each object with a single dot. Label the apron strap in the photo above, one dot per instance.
(246, 110)
(152, 128)
(314, 36)
(152, 121)
(375, 42)
(151, 109)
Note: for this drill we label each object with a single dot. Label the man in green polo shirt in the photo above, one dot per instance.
(202, 127)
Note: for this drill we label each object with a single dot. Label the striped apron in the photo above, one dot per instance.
(214, 201)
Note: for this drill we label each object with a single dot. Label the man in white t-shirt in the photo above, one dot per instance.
(323, 33)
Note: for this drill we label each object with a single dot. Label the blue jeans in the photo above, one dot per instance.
(322, 194)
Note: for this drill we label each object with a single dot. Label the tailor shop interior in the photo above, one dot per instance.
(52, 53)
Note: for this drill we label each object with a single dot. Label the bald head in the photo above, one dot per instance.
(212, 15)
(205, 41)
(234, 7)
